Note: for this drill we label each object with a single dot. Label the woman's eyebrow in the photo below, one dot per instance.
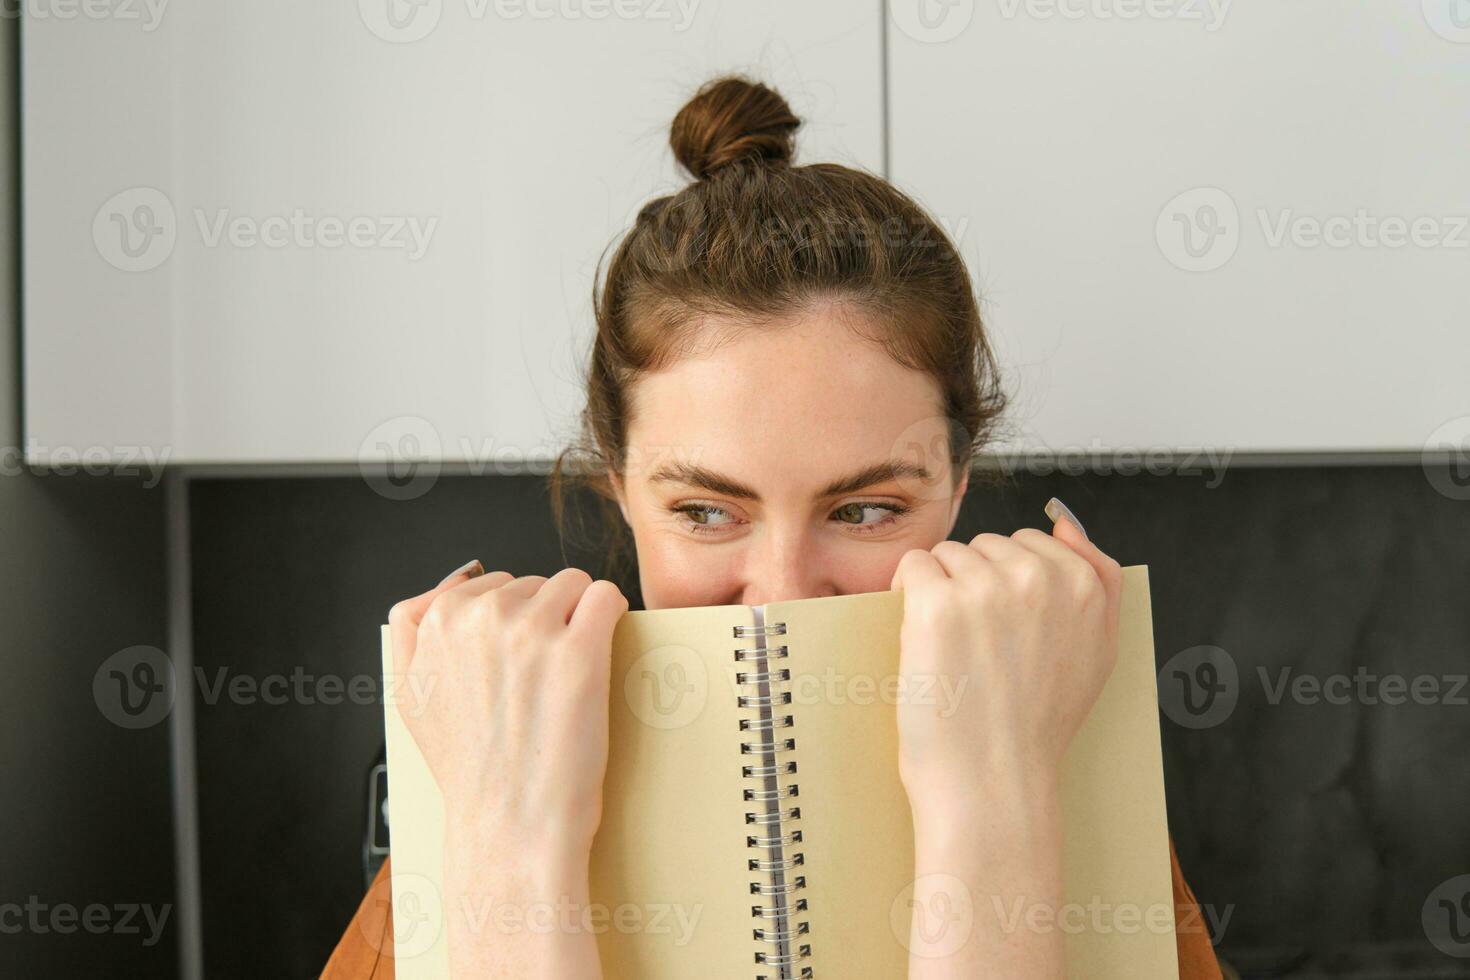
(706, 479)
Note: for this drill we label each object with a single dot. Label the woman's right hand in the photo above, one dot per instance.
(508, 683)
(513, 674)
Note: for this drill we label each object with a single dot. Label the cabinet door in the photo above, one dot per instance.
(1198, 223)
(284, 231)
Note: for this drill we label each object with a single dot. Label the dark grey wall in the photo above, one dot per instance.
(1319, 829)
(86, 817)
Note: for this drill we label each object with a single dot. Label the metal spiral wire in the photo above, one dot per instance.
(776, 837)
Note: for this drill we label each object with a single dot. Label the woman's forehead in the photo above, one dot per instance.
(807, 382)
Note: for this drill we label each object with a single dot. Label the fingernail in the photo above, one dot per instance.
(472, 566)
(1057, 510)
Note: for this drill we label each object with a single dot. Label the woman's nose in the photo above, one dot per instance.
(786, 565)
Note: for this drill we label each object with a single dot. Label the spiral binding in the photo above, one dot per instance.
(779, 927)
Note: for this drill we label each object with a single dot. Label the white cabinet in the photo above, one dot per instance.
(1198, 223)
(286, 231)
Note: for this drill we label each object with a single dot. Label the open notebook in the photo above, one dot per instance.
(753, 820)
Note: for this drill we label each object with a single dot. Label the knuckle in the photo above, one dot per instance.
(1030, 534)
(1030, 571)
(436, 616)
(576, 574)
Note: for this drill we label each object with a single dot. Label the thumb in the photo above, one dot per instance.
(1068, 530)
(1066, 527)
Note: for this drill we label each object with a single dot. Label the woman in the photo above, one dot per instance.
(788, 384)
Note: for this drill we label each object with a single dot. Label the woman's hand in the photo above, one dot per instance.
(1029, 625)
(513, 678)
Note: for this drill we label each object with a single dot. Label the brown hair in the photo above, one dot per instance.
(755, 239)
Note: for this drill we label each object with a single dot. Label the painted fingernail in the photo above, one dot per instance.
(472, 566)
(1057, 510)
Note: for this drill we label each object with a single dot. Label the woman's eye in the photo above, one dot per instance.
(697, 517)
(709, 519)
(890, 512)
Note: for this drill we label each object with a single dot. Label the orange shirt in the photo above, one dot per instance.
(365, 951)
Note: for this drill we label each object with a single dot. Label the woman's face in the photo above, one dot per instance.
(791, 462)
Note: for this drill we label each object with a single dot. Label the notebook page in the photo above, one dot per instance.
(857, 830)
(668, 875)
(672, 839)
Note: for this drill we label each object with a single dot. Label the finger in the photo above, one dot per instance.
(556, 600)
(525, 586)
(959, 559)
(598, 610)
(478, 586)
(917, 567)
(996, 547)
(405, 616)
(1039, 542)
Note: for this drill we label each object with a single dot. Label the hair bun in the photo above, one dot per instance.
(729, 119)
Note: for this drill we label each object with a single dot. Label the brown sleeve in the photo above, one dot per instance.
(1191, 936)
(365, 951)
